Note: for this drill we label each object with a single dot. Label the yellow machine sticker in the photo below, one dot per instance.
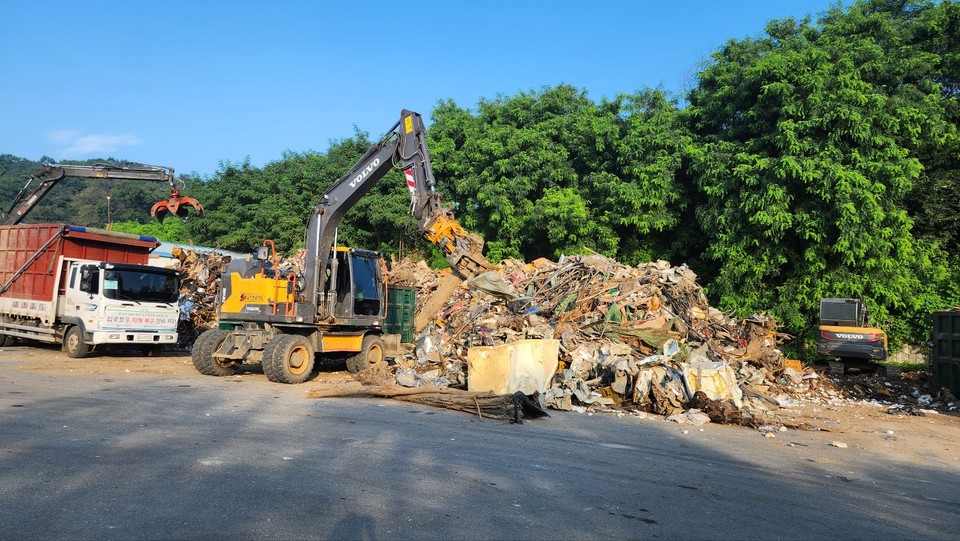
(256, 290)
(408, 123)
(342, 343)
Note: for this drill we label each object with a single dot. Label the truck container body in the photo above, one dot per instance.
(84, 287)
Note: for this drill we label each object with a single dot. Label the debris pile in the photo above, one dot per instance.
(631, 338)
(412, 273)
(199, 287)
(911, 393)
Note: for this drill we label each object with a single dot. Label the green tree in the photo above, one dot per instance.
(552, 172)
(171, 230)
(805, 154)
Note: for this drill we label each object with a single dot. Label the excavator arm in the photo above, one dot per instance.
(404, 148)
(464, 251)
(44, 180)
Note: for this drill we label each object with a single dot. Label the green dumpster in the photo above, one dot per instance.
(945, 361)
(401, 308)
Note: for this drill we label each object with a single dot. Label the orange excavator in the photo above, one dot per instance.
(44, 180)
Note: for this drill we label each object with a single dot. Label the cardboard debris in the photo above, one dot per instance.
(526, 366)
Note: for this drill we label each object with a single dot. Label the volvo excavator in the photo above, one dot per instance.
(44, 180)
(337, 305)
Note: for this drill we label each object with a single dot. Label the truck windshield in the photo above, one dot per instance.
(139, 285)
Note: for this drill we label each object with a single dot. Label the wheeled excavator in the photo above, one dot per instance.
(337, 305)
(41, 182)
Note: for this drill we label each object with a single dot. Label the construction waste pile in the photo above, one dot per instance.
(627, 338)
(910, 393)
(587, 333)
(199, 287)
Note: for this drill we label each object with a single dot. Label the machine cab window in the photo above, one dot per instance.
(358, 284)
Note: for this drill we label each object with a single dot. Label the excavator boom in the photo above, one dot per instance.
(404, 148)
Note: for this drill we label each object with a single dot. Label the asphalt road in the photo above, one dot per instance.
(183, 456)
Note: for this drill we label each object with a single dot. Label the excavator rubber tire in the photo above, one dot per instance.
(372, 354)
(202, 354)
(288, 358)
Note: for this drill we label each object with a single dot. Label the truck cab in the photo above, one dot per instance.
(84, 287)
(117, 303)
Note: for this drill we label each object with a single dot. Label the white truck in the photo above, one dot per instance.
(84, 288)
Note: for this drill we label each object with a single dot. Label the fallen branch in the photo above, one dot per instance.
(486, 405)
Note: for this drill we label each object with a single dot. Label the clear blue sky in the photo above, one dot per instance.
(189, 84)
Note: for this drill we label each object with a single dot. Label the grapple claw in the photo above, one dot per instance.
(177, 206)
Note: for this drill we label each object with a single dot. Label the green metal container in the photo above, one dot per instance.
(401, 309)
(945, 360)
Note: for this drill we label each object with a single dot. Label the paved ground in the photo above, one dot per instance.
(121, 447)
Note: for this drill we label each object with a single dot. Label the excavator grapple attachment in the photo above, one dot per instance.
(176, 205)
(463, 250)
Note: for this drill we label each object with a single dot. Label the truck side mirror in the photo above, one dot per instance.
(86, 279)
(90, 279)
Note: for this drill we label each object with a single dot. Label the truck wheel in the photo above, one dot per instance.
(372, 354)
(73, 343)
(203, 350)
(288, 358)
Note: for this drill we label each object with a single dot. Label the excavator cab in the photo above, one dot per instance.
(359, 286)
(177, 205)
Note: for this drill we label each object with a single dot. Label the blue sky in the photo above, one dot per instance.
(190, 84)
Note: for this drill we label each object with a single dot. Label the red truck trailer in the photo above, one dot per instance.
(83, 288)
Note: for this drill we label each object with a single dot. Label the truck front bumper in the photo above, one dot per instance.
(134, 337)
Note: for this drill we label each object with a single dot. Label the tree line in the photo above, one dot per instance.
(819, 159)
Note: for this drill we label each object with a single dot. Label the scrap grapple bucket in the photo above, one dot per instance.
(177, 205)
